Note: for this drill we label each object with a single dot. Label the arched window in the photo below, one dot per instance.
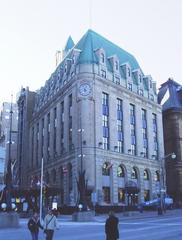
(102, 57)
(120, 171)
(157, 176)
(145, 175)
(134, 173)
(106, 169)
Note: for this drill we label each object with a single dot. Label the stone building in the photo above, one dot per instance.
(9, 116)
(97, 112)
(170, 97)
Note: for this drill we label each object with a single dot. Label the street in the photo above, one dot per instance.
(168, 226)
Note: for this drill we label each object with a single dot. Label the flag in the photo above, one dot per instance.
(109, 166)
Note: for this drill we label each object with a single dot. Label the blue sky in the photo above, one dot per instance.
(31, 31)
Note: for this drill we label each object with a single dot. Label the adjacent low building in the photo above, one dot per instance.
(2, 161)
(170, 97)
(97, 112)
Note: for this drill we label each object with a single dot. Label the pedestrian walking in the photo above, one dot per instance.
(34, 225)
(50, 224)
(111, 227)
(140, 208)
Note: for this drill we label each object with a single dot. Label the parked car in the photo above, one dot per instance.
(154, 203)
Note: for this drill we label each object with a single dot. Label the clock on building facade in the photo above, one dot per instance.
(85, 89)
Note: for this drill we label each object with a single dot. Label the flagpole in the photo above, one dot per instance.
(41, 188)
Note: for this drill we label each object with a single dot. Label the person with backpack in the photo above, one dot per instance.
(50, 224)
(34, 225)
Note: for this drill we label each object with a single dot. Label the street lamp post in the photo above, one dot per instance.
(81, 182)
(162, 181)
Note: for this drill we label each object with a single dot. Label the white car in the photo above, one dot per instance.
(155, 202)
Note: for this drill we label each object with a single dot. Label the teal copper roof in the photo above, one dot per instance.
(92, 41)
(69, 44)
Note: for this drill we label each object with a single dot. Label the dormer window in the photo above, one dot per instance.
(151, 97)
(117, 80)
(130, 86)
(140, 78)
(129, 72)
(116, 65)
(65, 68)
(150, 82)
(140, 91)
(73, 59)
(102, 57)
(103, 73)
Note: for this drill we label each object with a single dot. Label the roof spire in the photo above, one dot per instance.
(69, 44)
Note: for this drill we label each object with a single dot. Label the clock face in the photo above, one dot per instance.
(85, 89)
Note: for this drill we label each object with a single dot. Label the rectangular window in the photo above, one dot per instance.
(105, 120)
(62, 107)
(120, 146)
(105, 132)
(105, 99)
(105, 143)
(42, 147)
(70, 133)
(48, 135)
(37, 145)
(120, 136)
(155, 143)
(55, 130)
(32, 145)
(105, 110)
(132, 129)
(70, 100)
(62, 127)
(119, 104)
(106, 194)
(144, 134)
(146, 195)
(120, 124)
(121, 195)
(132, 110)
(55, 116)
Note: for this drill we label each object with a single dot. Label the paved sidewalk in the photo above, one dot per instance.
(137, 215)
(127, 215)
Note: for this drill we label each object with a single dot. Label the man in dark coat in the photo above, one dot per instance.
(111, 227)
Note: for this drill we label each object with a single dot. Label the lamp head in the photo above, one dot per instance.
(173, 155)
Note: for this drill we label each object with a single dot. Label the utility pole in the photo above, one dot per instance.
(162, 180)
(41, 188)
